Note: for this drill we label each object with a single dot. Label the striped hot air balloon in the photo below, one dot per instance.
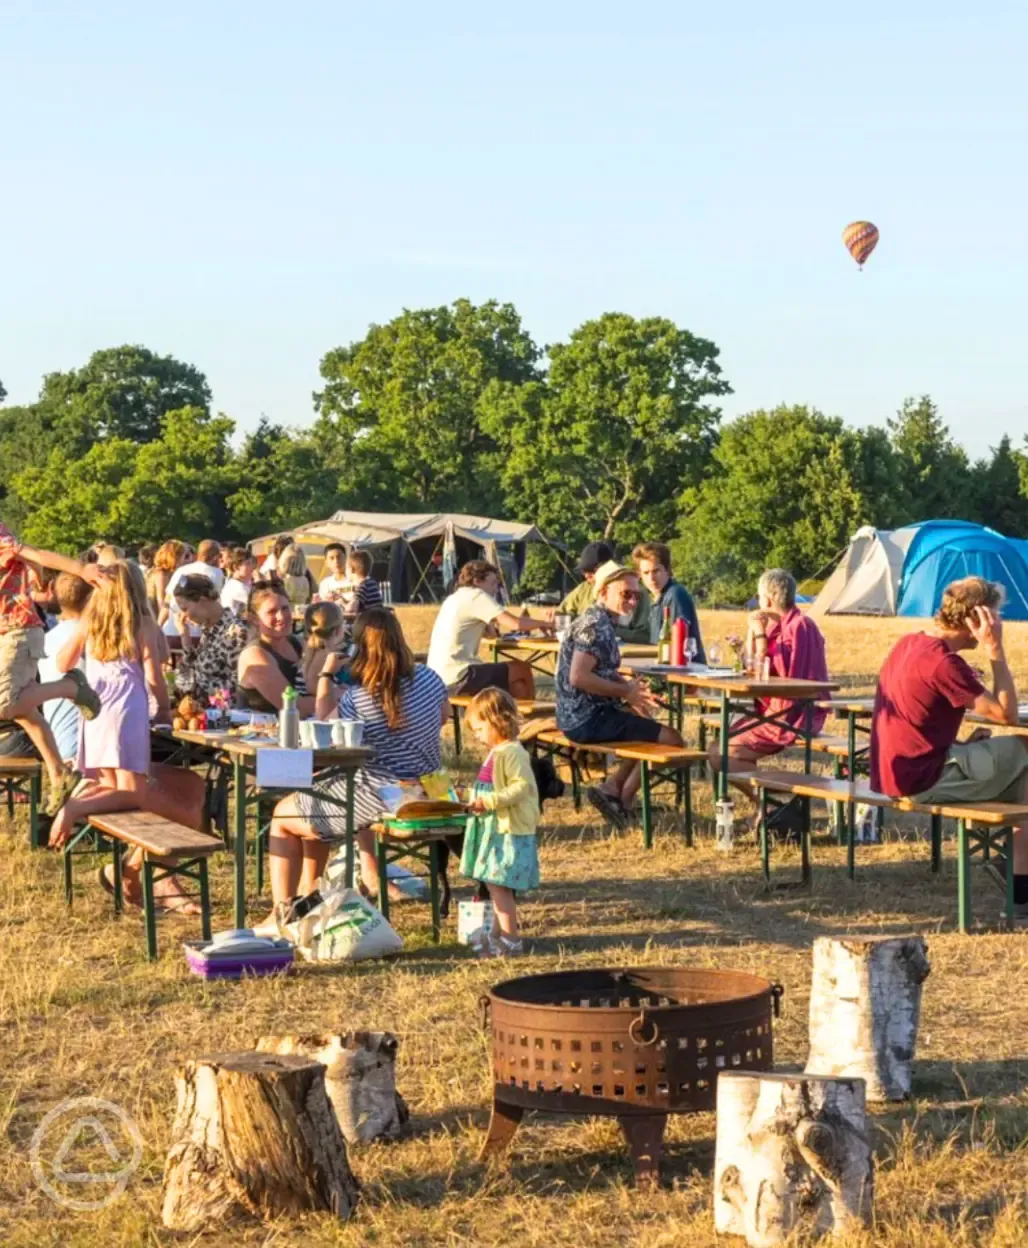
(861, 238)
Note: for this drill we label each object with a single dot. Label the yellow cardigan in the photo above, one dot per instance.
(514, 798)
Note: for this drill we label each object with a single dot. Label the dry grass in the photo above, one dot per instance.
(82, 1013)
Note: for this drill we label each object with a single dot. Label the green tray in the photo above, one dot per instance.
(430, 821)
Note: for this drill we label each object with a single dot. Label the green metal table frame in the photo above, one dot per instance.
(423, 846)
(29, 785)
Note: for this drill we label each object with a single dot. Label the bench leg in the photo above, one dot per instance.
(576, 781)
(116, 876)
(805, 843)
(382, 860)
(765, 841)
(35, 787)
(434, 872)
(149, 917)
(687, 793)
(205, 901)
(9, 786)
(68, 893)
(936, 844)
(963, 877)
(839, 807)
(851, 839)
(647, 813)
(456, 730)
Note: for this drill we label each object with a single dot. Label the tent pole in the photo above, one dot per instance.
(422, 570)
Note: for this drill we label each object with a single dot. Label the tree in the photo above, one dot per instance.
(997, 488)
(129, 493)
(401, 412)
(934, 471)
(605, 444)
(784, 490)
(121, 392)
(283, 481)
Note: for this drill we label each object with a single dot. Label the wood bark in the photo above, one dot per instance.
(254, 1137)
(792, 1151)
(865, 1006)
(360, 1078)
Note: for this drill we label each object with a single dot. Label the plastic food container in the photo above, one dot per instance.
(232, 954)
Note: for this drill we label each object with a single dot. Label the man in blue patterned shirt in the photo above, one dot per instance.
(595, 703)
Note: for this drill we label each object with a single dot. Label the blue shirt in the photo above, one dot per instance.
(414, 748)
(677, 598)
(592, 632)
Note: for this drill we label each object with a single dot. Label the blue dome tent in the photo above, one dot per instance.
(904, 572)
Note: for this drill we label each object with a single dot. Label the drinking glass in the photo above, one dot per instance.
(714, 654)
(692, 648)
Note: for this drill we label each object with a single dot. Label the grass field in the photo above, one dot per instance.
(83, 1014)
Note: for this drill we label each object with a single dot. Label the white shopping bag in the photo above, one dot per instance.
(474, 921)
(343, 928)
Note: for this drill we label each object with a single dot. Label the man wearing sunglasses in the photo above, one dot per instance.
(594, 701)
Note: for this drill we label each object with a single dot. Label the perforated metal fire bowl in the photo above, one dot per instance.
(636, 1043)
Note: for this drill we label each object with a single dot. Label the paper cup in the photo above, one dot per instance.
(353, 732)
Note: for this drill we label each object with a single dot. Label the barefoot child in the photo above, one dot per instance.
(499, 842)
(21, 648)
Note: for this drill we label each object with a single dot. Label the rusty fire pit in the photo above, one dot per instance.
(637, 1043)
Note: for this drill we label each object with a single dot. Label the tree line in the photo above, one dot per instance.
(614, 433)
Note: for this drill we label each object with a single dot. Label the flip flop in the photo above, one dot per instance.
(177, 903)
(608, 807)
(107, 884)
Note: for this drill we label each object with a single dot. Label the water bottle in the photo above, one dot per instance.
(725, 824)
(289, 721)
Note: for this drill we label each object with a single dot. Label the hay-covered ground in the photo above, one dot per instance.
(83, 1013)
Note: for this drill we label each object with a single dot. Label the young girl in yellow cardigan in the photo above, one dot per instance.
(499, 841)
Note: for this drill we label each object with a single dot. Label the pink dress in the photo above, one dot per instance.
(795, 649)
(119, 737)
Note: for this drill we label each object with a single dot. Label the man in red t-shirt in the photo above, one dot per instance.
(21, 648)
(924, 690)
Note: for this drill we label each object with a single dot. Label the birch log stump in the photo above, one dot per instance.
(360, 1078)
(254, 1137)
(865, 1006)
(792, 1150)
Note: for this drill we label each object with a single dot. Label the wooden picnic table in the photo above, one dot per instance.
(737, 687)
(536, 649)
(238, 755)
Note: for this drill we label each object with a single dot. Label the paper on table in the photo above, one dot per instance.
(285, 769)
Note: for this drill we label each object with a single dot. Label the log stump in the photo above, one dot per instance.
(254, 1137)
(360, 1078)
(865, 1006)
(791, 1150)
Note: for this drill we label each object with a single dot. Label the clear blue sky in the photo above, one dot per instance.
(246, 185)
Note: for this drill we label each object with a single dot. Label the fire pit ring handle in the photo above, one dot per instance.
(485, 1007)
(637, 1024)
(777, 992)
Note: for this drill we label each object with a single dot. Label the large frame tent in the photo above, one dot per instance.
(417, 554)
(904, 571)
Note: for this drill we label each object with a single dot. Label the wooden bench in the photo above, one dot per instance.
(25, 776)
(659, 763)
(981, 827)
(527, 709)
(158, 838)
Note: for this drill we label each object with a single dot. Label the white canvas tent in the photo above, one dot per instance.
(403, 545)
(867, 579)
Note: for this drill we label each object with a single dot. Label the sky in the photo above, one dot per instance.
(246, 186)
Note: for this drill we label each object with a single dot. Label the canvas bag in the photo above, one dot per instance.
(343, 928)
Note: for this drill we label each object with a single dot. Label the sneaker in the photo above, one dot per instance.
(503, 947)
(608, 807)
(480, 942)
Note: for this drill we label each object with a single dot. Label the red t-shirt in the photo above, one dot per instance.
(17, 610)
(923, 691)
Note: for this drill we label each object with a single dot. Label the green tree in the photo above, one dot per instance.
(128, 493)
(785, 490)
(401, 413)
(283, 481)
(934, 472)
(604, 445)
(1000, 500)
(26, 439)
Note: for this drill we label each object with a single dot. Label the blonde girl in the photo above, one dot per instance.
(325, 628)
(499, 841)
(165, 561)
(292, 569)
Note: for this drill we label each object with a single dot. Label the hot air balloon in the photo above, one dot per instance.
(861, 238)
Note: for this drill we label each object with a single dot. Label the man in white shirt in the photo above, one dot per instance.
(336, 586)
(205, 564)
(470, 613)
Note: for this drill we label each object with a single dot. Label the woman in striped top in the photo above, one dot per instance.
(403, 707)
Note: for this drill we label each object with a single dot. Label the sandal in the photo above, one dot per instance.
(59, 793)
(86, 697)
(608, 807)
(107, 884)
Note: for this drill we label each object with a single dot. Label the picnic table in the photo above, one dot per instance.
(238, 756)
(536, 650)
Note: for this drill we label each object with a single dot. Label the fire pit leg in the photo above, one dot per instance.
(502, 1125)
(645, 1136)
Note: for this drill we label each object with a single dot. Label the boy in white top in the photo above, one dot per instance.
(337, 586)
(470, 613)
(206, 564)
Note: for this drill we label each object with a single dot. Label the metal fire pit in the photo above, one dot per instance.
(636, 1043)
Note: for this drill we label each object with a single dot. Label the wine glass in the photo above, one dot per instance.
(692, 648)
(714, 654)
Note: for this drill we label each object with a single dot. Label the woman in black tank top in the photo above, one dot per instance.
(271, 662)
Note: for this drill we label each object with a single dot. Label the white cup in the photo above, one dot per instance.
(338, 732)
(353, 732)
(307, 734)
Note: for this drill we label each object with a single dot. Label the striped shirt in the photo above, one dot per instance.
(414, 749)
(368, 595)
